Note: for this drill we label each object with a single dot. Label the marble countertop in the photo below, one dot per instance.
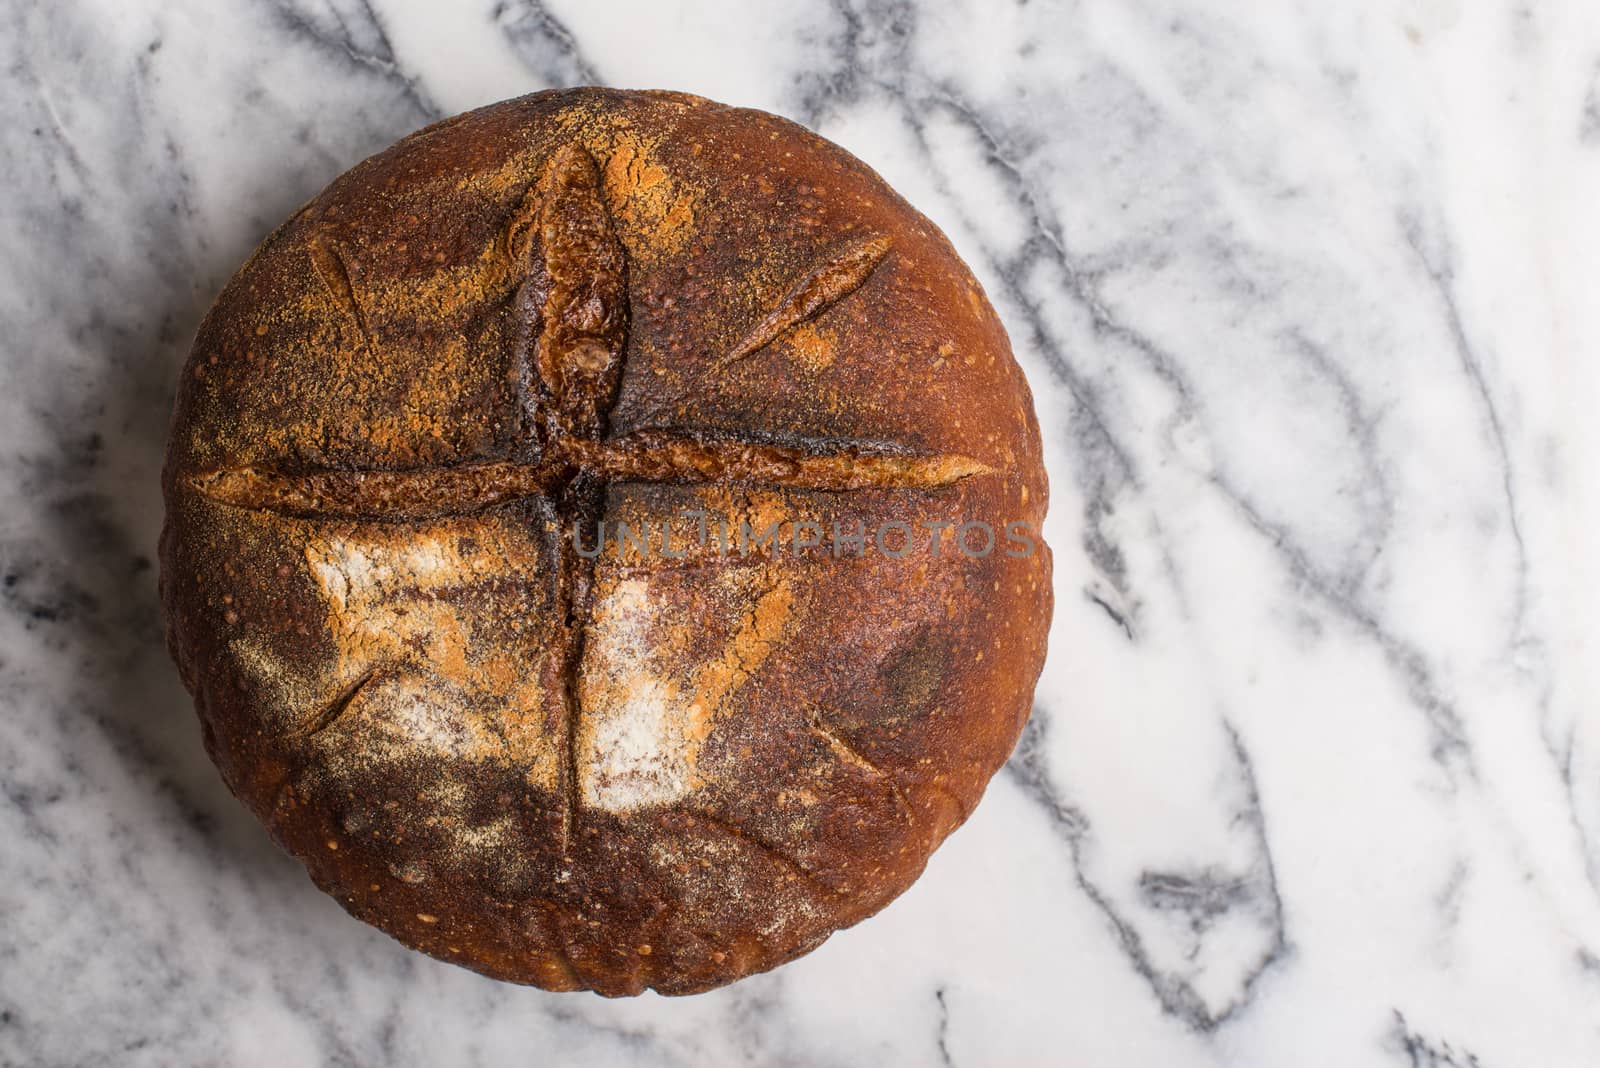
(1306, 295)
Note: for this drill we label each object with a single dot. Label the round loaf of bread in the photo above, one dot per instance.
(602, 540)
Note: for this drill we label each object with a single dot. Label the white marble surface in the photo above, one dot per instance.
(1307, 293)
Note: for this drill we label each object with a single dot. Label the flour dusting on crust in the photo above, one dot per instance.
(643, 723)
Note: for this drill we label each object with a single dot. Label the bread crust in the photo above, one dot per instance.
(636, 769)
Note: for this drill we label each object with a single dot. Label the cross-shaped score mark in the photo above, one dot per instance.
(573, 318)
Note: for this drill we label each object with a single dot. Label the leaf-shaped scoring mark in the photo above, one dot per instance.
(329, 263)
(577, 285)
(810, 296)
(667, 457)
(419, 494)
(330, 713)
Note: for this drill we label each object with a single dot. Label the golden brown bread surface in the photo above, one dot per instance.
(415, 413)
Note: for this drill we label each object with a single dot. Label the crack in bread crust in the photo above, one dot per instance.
(339, 705)
(823, 286)
(649, 456)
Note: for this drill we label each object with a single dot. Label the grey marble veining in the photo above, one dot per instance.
(1306, 295)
